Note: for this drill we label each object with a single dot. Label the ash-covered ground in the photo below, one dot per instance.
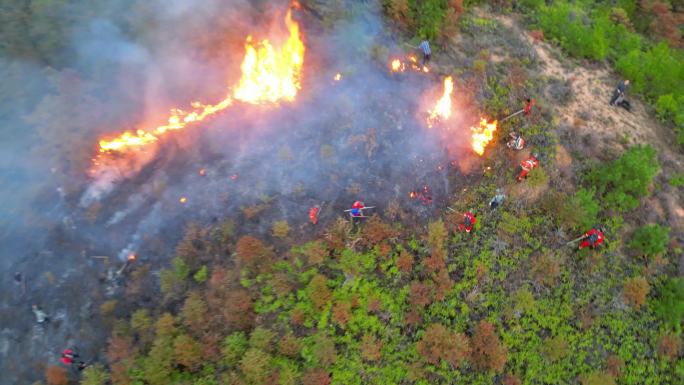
(361, 138)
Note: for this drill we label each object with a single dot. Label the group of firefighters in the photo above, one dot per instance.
(592, 238)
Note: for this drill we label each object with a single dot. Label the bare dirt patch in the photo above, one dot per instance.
(606, 130)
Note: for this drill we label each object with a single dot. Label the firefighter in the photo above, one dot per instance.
(592, 238)
(497, 200)
(357, 210)
(468, 222)
(619, 93)
(69, 357)
(527, 165)
(41, 317)
(427, 53)
(517, 142)
(528, 106)
(313, 214)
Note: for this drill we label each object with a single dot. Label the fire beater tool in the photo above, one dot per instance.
(575, 240)
(512, 115)
(363, 208)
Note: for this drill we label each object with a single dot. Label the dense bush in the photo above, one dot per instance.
(426, 18)
(669, 303)
(651, 240)
(623, 181)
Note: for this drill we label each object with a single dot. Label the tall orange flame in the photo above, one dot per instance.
(442, 110)
(268, 76)
(482, 135)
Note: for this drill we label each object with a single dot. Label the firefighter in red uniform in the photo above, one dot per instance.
(527, 165)
(468, 222)
(357, 209)
(528, 107)
(313, 214)
(592, 238)
(69, 358)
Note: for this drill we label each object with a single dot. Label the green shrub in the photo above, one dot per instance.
(621, 182)
(201, 274)
(95, 375)
(261, 338)
(677, 180)
(234, 346)
(564, 22)
(669, 303)
(651, 240)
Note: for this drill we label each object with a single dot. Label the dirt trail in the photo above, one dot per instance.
(605, 130)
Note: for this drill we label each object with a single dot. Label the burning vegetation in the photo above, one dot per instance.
(269, 75)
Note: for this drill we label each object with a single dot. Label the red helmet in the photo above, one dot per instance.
(357, 205)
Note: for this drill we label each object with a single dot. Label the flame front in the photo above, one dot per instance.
(268, 76)
(482, 135)
(442, 110)
(398, 65)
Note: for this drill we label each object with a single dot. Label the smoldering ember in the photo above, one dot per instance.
(341, 192)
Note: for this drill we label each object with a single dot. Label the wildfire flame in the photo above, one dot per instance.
(338, 77)
(268, 76)
(131, 257)
(442, 110)
(398, 65)
(482, 135)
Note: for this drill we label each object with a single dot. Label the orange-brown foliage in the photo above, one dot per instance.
(252, 253)
(669, 346)
(120, 375)
(289, 346)
(488, 352)
(371, 348)
(405, 262)
(119, 348)
(374, 304)
(238, 311)
(56, 375)
(537, 34)
(316, 377)
(376, 230)
(413, 317)
(615, 365)
(315, 252)
(384, 249)
(481, 271)
(511, 379)
(341, 313)
(192, 247)
(298, 316)
(545, 269)
(666, 24)
(420, 294)
(443, 283)
(337, 234)
(318, 291)
(635, 291)
(438, 343)
(187, 352)
(282, 284)
(434, 262)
